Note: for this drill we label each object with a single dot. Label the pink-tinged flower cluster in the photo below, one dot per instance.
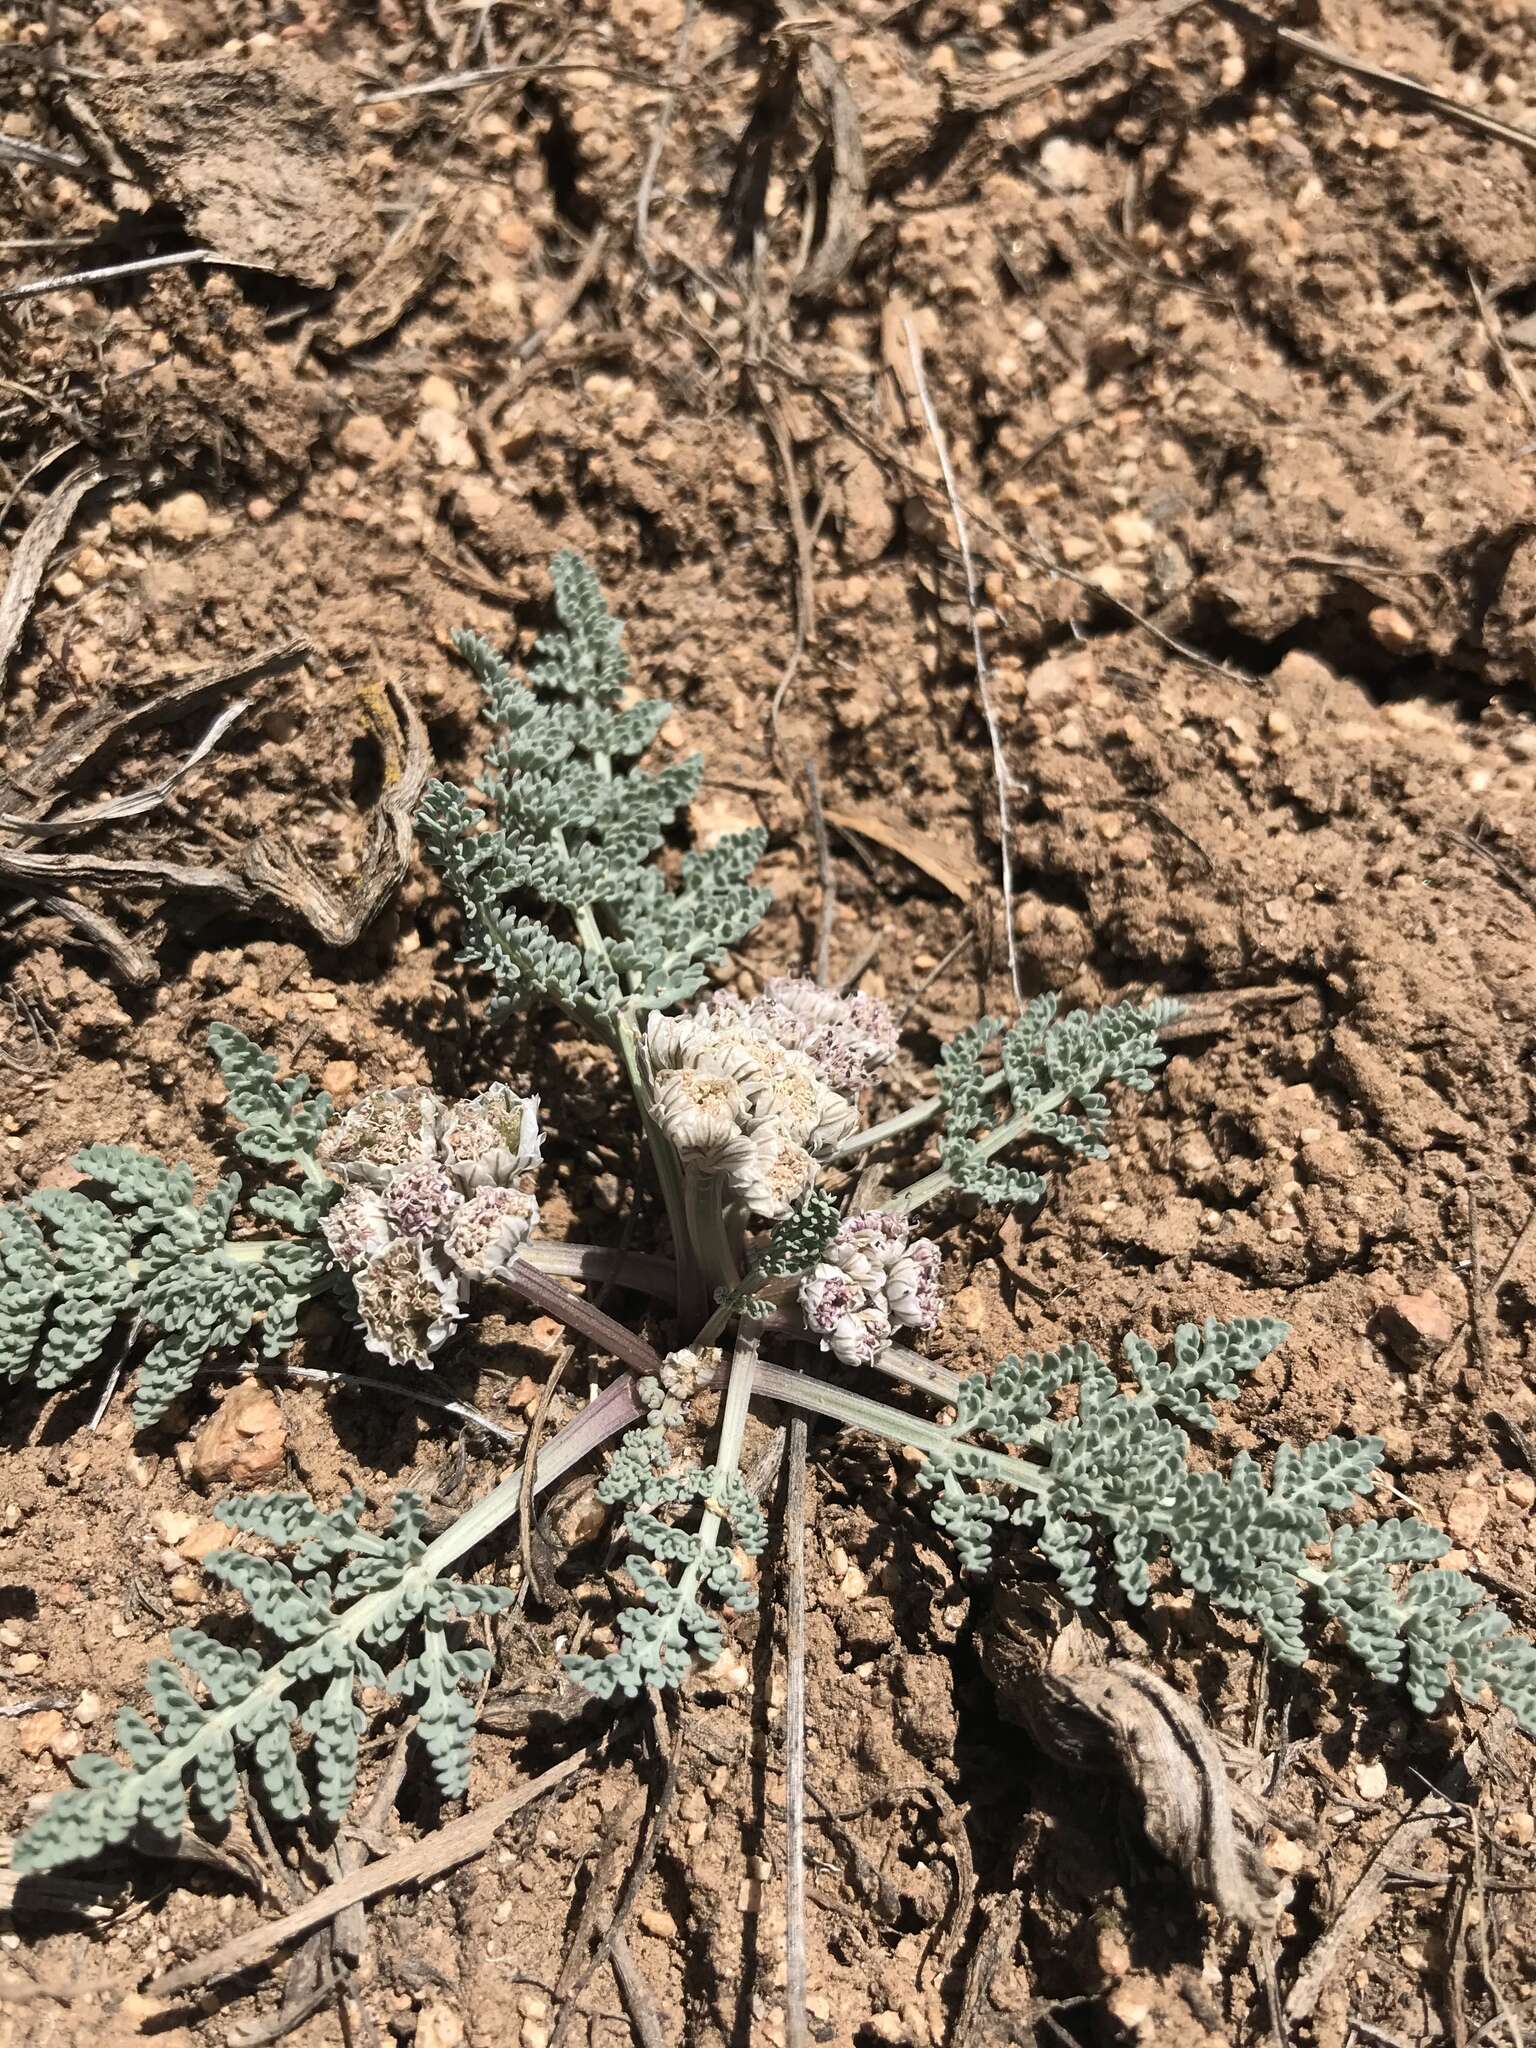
(845, 1037)
(747, 1091)
(430, 1201)
(873, 1279)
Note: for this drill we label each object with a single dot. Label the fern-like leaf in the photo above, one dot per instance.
(1113, 1483)
(219, 1703)
(1055, 1071)
(572, 830)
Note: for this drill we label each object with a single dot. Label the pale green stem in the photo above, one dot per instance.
(668, 1170)
(704, 1206)
(934, 1184)
(911, 1119)
(857, 1411)
(240, 1251)
(733, 1422)
(613, 1410)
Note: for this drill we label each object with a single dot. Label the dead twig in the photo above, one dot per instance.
(983, 673)
(966, 938)
(14, 151)
(1476, 1303)
(1490, 1300)
(137, 802)
(40, 287)
(401, 1390)
(848, 172)
(591, 260)
(948, 1939)
(796, 2031)
(1515, 879)
(493, 74)
(572, 1984)
(43, 1056)
(1000, 1930)
(1069, 60)
(659, 137)
(805, 572)
(32, 554)
(530, 1460)
(125, 956)
(1488, 313)
(262, 2033)
(637, 1999)
(460, 1840)
(88, 740)
(1485, 1933)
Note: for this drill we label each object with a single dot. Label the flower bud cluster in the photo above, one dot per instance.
(745, 1091)
(664, 1394)
(430, 1202)
(873, 1279)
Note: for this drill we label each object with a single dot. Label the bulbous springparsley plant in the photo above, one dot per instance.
(408, 1206)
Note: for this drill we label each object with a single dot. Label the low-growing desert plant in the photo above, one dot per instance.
(407, 1206)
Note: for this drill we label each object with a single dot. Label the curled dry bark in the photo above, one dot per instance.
(1108, 1715)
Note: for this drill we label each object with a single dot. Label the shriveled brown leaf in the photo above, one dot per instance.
(940, 860)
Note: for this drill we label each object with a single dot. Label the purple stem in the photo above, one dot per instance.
(639, 1270)
(547, 1295)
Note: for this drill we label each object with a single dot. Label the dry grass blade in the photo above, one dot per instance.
(32, 554)
(983, 673)
(470, 1835)
(659, 137)
(826, 909)
(950, 866)
(14, 151)
(41, 287)
(1396, 84)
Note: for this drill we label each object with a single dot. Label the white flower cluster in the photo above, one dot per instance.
(756, 1093)
(431, 1201)
(872, 1279)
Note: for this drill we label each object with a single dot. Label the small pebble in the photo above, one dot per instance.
(1417, 1328)
(40, 1733)
(1371, 1780)
(1467, 1514)
(184, 517)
